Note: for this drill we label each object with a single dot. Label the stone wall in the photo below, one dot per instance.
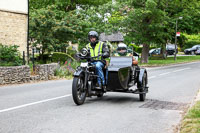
(46, 71)
(13, 29)
(22, 74)
(14, 74)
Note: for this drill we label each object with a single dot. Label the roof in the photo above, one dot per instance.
(116, 37)
(18, 6)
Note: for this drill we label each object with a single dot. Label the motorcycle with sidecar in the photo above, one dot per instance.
(118, 74)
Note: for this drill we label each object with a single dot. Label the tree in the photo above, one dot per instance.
(146, 23)
(52, 29)
(53, 25)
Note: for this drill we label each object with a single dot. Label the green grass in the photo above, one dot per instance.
(191, 122)
(157, 61)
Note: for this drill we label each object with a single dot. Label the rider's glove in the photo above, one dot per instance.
(104, 55)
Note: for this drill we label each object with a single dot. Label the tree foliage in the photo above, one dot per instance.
(55, 23)
(191, 40)
(153, 21)
(52, 29)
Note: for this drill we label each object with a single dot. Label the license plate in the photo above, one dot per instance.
(84, 64)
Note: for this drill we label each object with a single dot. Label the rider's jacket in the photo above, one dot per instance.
(99, 49)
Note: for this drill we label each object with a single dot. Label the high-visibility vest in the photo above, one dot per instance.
(96, 51)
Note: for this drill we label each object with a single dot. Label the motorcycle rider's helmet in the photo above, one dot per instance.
(93, 34)
(122, 49)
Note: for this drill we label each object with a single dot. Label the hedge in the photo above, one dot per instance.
(61, 57)
(138, 49)
(10, 55)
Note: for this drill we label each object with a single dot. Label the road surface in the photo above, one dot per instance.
(48, 107)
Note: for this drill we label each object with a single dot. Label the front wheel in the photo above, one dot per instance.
(78, 91)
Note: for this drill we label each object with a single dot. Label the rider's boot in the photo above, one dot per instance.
(131, 83)
(104, 88)
(98, 86)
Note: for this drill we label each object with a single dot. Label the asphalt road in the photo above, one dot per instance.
(48, 107)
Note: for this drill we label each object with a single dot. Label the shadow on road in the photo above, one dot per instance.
(113, 99)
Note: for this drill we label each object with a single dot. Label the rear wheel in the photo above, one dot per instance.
(78, 91)
(143, 87)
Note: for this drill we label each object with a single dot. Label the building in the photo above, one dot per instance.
(113, 38)
(14, 23)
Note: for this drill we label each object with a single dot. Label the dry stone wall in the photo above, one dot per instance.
(14, 74)
(22, 74)
(46, 71)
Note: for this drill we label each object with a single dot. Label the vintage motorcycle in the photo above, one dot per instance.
(120, 74)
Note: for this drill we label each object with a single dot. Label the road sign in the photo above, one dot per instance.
(178, 33)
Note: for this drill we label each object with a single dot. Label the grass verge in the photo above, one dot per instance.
(191, 121)
(157, 61)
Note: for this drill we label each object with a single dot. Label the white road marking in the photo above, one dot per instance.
(169, 72)
(181, 70)
(152, 77)
(164, 73)
(29, 104)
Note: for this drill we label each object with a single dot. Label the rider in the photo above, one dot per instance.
(96, 48)
(122, 51)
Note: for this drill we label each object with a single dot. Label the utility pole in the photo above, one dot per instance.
(28, 35)
(175, 40)
(176, 36)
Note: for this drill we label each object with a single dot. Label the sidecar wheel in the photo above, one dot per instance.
(100, 95)
(78, 92)
(142, 87)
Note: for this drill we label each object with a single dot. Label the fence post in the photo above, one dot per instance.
(24, 62)
(33, 59)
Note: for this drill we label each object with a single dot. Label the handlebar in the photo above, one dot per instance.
(86, 57)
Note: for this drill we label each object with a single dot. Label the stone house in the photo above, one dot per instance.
(113, 38)
(14, 23)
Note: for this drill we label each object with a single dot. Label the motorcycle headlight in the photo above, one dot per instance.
(84, 52)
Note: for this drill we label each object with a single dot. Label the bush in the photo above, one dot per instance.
(137, 48)
(67, 69)
(71, 52)
(43, 59)
(61, 57)
(191, 40)
(10, 56)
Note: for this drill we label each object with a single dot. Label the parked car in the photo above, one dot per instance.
(198, 51)
(192, 50)
(155, 51)
(170, 49)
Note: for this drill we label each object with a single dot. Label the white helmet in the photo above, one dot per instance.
(122, 49)
(122, 45)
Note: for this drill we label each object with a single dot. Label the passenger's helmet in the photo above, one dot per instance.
(93, 34)
(122, 49)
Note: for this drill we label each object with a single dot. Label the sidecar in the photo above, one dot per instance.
(120, 75)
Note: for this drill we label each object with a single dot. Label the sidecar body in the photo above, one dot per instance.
(120, 75)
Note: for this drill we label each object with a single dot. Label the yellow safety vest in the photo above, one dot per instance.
(96, 51)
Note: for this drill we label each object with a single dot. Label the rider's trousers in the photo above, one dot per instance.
(99, 70)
